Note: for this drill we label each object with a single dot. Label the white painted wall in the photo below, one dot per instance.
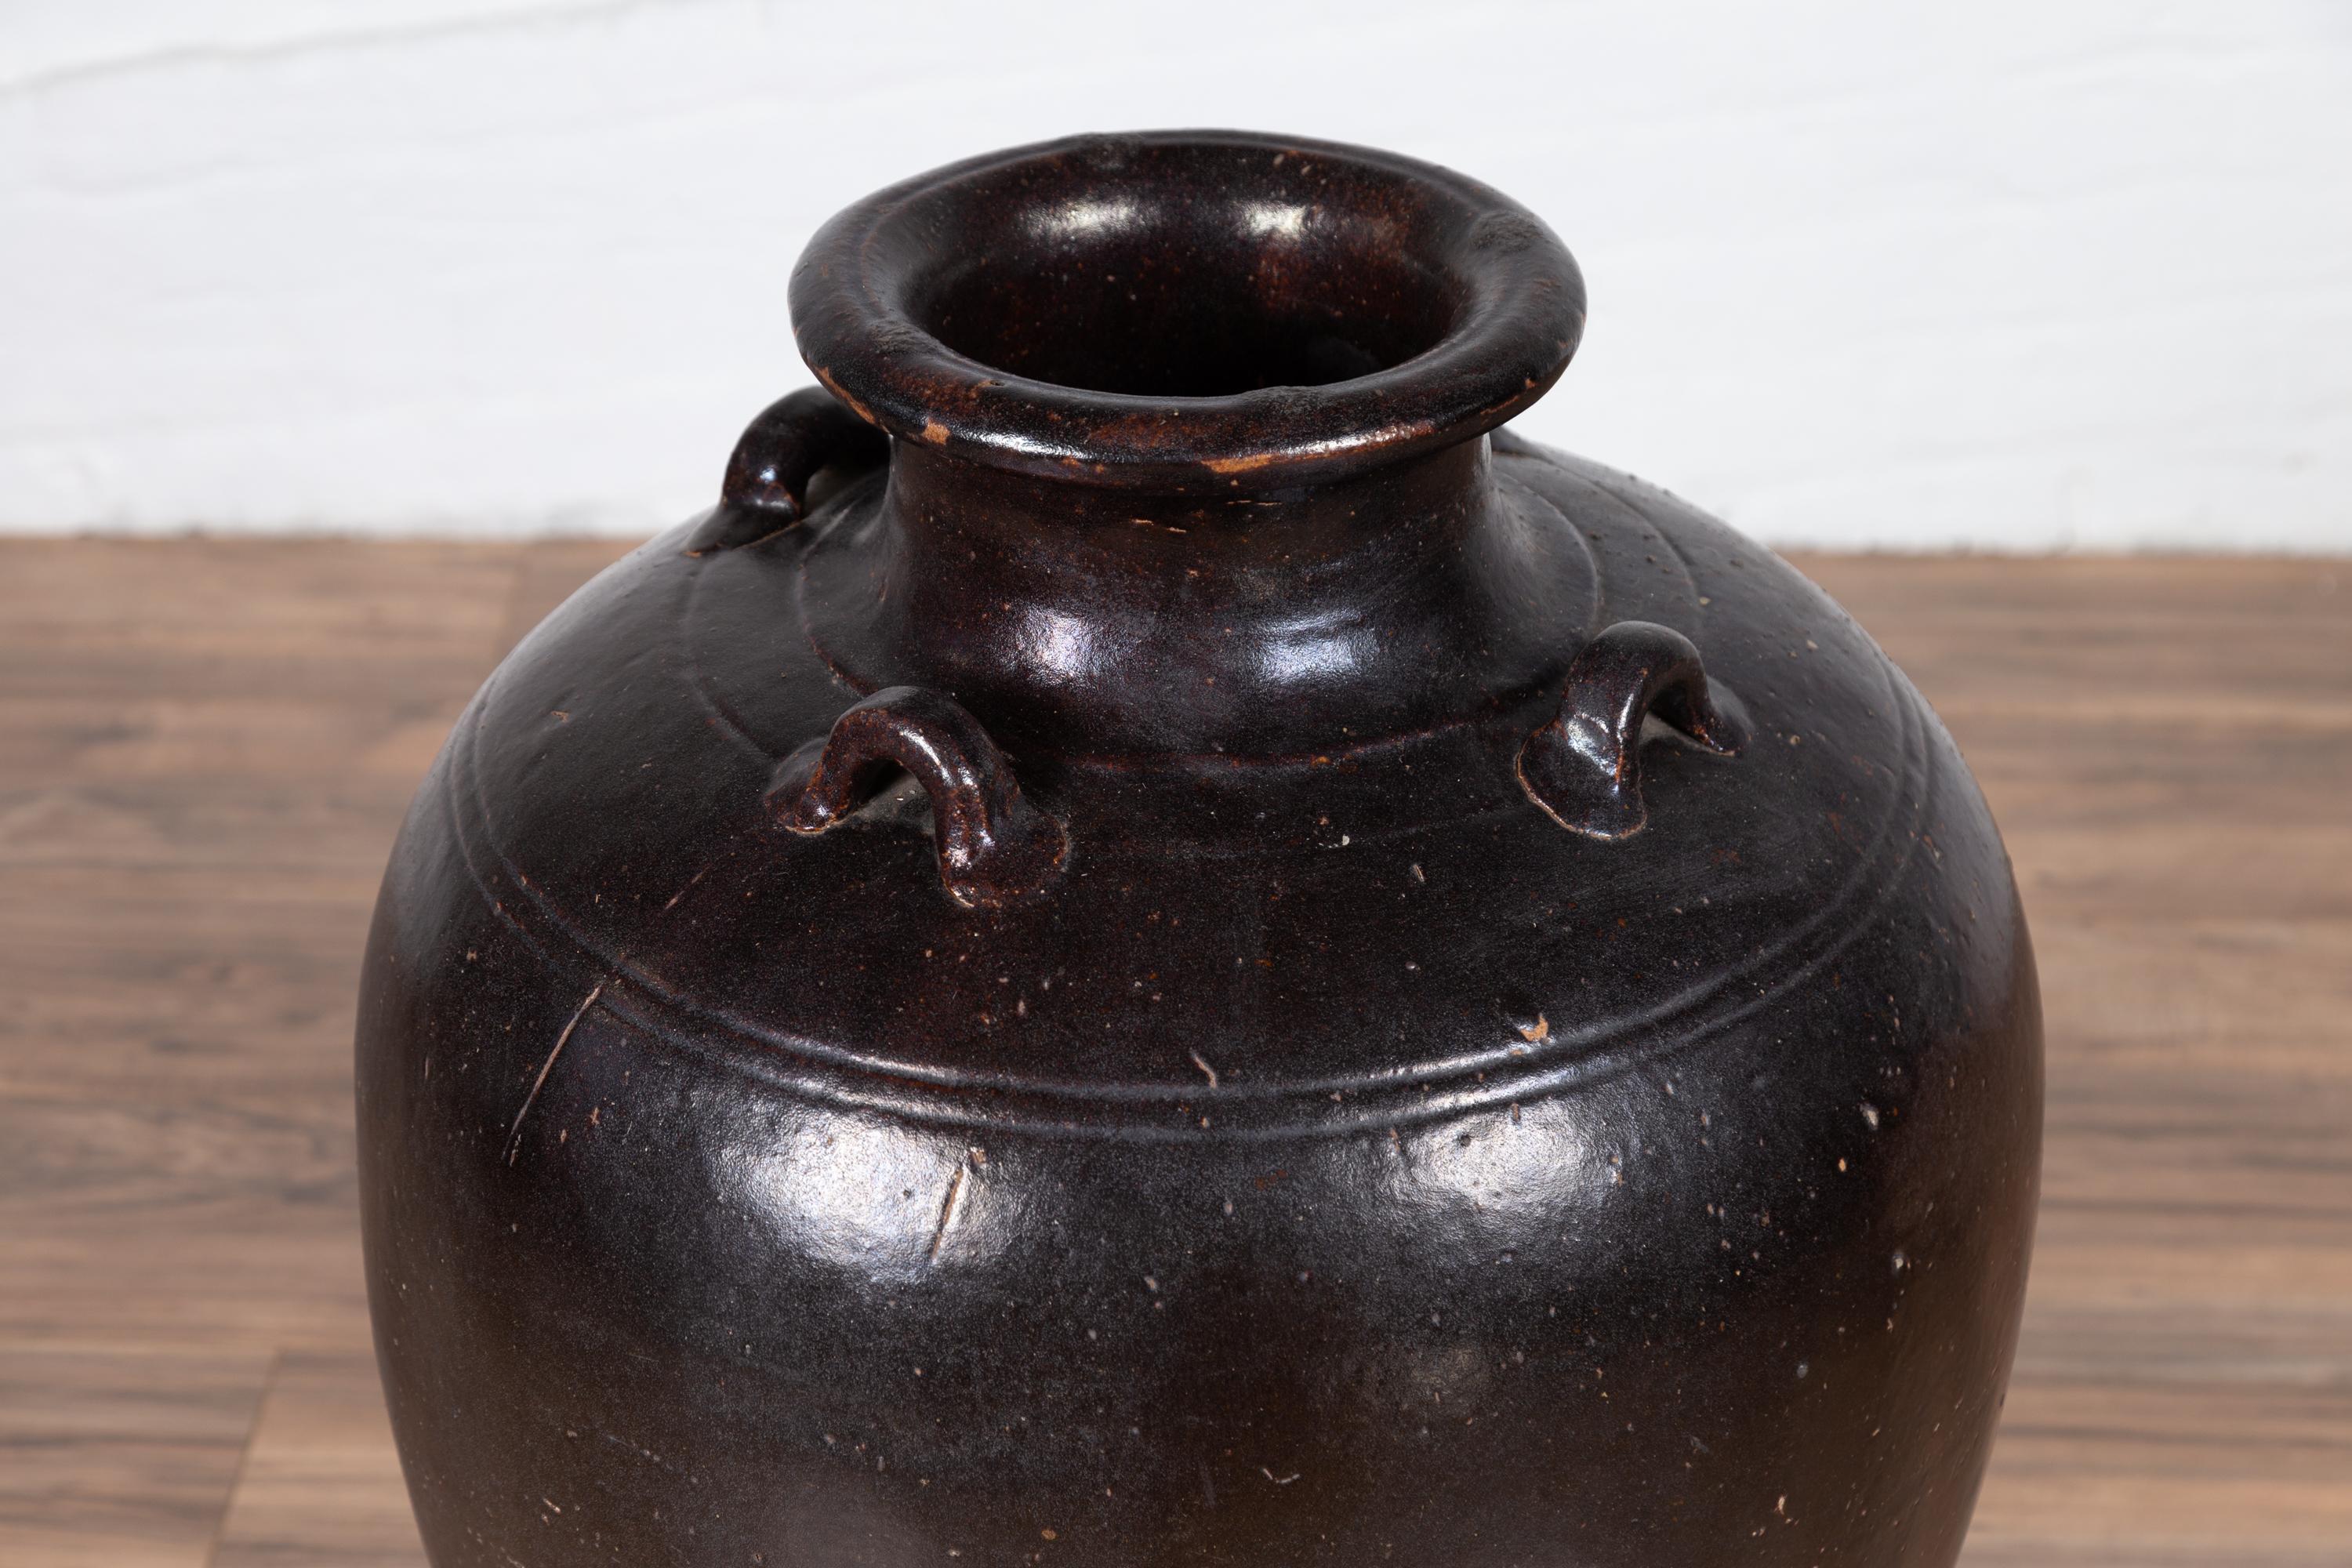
(2011, 274)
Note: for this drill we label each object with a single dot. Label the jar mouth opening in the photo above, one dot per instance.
(1187, 309)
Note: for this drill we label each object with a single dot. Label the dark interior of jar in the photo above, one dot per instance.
(1194, 295)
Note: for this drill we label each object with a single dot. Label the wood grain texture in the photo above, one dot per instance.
(322, 1483)
(120, 1458)
(206, 748)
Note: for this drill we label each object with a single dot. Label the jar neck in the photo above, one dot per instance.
(1081, 620)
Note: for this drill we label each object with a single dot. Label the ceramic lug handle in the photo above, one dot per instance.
(1584, 768)
(768, 474)
(995, 848)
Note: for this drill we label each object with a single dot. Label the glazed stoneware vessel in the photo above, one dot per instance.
(1157, 945)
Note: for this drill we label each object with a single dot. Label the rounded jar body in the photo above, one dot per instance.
(1243, 998)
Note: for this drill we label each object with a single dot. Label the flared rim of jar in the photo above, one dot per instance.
(1187, 311)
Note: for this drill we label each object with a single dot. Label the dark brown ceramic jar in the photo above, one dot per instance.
(1198, 957)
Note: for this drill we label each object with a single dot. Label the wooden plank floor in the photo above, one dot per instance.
(204, 748)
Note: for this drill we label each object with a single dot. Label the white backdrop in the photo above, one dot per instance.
(2011, 274)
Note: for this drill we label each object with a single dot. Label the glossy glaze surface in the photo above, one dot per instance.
(1162, 978)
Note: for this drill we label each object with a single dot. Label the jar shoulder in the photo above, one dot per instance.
(1303, 944)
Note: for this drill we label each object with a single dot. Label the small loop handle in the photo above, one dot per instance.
(1584, 768)
(995, 848)
(766, 486)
